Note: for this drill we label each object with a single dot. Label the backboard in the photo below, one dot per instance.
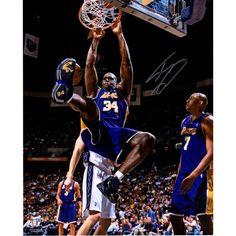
(170, 15)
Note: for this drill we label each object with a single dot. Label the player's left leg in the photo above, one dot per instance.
(72, 229)
(140, 146)
(60, 229)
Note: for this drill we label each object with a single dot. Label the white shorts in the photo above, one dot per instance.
(97, 169)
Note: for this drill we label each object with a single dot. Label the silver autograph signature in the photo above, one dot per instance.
(163, 76)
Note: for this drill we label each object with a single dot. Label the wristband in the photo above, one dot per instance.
(79, 199)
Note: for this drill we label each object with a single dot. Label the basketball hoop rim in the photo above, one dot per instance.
(106, 27)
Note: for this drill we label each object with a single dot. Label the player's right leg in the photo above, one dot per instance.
(63, 93)
(90, 115)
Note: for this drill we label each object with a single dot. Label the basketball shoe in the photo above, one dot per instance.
(63, 89)
(109, 188)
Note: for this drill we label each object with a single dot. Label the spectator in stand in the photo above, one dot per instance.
(113, 229)
(121, 213)
(150, 212)
(190, 224)
(149, 227)
(48, 227)
(126, 226)
(29, 224)
(139, 228)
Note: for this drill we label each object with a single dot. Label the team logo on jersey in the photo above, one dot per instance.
(109, 95)
(191, 131)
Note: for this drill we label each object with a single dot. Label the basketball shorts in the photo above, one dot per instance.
(66, 213)
(97, 169)
(112, 143)
(198, 200)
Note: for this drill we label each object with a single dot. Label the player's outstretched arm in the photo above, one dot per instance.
(126, 67)
(78, 149)
(91, 78)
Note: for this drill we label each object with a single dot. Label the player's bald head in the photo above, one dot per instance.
(202, 98)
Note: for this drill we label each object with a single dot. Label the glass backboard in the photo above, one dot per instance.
(170, 15)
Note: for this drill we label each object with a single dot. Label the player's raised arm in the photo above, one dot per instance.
(126, 68)
(91, 78)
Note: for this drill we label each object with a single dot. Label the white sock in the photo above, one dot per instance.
(119, 175)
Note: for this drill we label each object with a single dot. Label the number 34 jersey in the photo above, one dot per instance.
(113, 107)
(193, 143)
(113, 110)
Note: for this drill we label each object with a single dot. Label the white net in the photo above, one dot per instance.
(98, 14)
